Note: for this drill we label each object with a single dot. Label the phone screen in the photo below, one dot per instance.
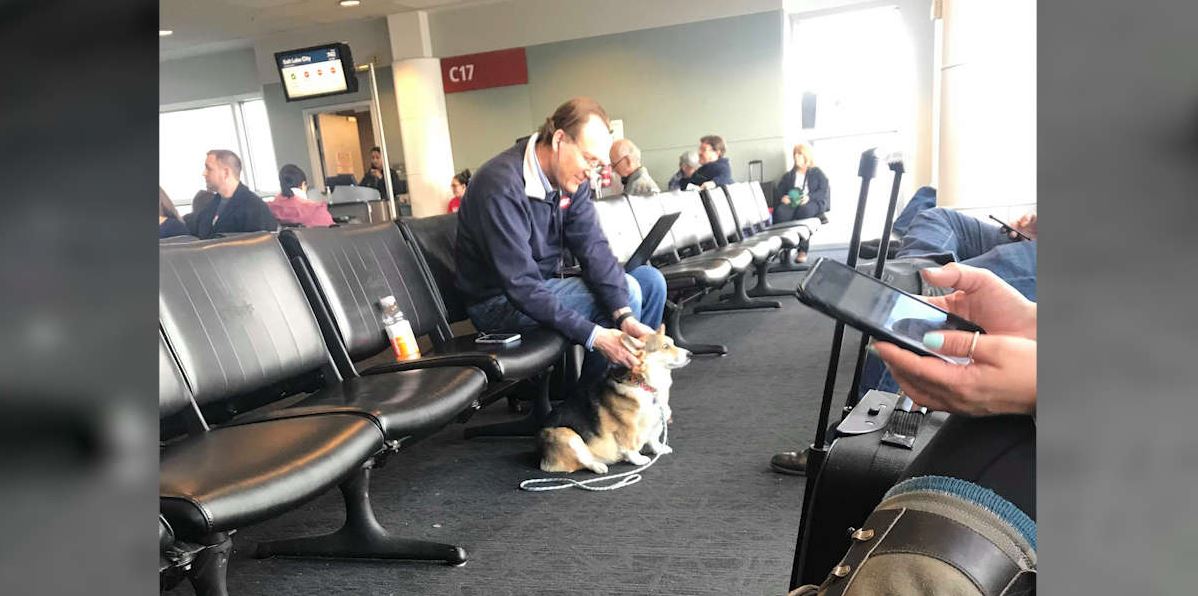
(868, 300)
(497, 338)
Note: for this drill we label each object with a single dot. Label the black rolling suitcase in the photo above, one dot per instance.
(851, 466)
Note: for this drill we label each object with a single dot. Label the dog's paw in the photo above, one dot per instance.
(598, 467)
(636, 459)
(660, 449)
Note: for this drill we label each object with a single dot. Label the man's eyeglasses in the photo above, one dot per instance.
(592, 162)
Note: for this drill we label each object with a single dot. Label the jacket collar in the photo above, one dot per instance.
(536, 184)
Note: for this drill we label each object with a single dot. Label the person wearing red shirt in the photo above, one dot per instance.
(291, 205)
(458, 186)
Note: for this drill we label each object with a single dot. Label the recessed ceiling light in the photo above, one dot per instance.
(164, 32)
(349, 3)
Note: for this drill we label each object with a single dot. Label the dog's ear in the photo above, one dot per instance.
(661, 330)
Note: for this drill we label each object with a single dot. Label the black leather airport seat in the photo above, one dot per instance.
(727, 234)
(753, 222)
(241, 329)
(806, 228)
(695, 234)
(349, 268)
(752, 225)
(627, 219)
(214, 481)
(625, 231)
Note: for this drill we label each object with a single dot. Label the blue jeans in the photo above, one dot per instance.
(923, 199)
(646, 298)
(971, 241)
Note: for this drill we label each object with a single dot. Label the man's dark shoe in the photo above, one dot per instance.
(790, 462)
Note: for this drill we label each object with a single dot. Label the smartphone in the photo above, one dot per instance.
(497, 338)
(1008, 228)
(876, 308)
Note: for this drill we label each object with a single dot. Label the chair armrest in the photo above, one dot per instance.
(480, 360)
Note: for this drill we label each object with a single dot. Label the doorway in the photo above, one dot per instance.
(339, 142)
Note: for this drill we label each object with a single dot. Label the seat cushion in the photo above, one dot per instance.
(790, 237)
(537, 350)
(696, 272)
(402, 404)
(234, 476)
(738, 256)
(762, 249)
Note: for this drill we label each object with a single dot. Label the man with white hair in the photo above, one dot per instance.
(688, 162)
(626, 161)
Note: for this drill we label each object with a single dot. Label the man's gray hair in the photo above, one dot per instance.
(689, 158)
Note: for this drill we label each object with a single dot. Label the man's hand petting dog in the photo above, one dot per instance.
(618, 347)
(635, 328)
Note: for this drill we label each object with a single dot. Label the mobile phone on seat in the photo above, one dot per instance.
(876, 308)
(497, 338)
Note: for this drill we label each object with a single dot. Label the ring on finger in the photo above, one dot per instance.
(973, 344)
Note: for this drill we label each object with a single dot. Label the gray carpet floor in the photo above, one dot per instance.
(711, 518)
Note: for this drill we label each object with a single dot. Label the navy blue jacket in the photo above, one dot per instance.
(510, 243)
(817, 190)
(246, 212)
(719, 170)
(171, 227)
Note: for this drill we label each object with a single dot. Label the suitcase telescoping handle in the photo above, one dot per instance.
(866, 169)
(895, 162)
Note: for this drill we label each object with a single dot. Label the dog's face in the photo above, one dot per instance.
(660, 351)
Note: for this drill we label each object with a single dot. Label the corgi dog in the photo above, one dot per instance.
(620, 417)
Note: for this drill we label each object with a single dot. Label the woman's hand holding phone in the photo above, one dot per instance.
(984, 298)
(1002, 377)
(1000, 380)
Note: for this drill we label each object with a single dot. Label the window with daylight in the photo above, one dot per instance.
(185, 136)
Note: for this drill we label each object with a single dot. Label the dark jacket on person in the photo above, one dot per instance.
(171, 227)
(817, 191)
(511, 237)
(380, 185)
(242, 212)
(719, 171)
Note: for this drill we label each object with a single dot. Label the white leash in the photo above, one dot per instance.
(626, 478)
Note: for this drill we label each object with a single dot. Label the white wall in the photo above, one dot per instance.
(512, 23)
(670, 85)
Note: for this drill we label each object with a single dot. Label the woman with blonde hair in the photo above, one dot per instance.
(802, 193)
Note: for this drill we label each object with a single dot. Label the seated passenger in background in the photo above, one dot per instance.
(802, 193)
(626, 161)
(688, 162)
(291, 205)
(169, 223)
(715, 168)
(374, 176)
(234, 208)
(458, 185)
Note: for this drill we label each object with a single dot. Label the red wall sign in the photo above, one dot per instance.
(481, 71)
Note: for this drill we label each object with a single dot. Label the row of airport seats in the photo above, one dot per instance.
(277, 381)
(722, 235)
(277, 385)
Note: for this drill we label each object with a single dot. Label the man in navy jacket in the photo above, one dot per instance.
(523, 209)
(234, 208)
(715, 169)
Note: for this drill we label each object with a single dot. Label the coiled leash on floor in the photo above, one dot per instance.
(625, 478)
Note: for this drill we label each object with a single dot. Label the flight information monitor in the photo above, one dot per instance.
(317, 71)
